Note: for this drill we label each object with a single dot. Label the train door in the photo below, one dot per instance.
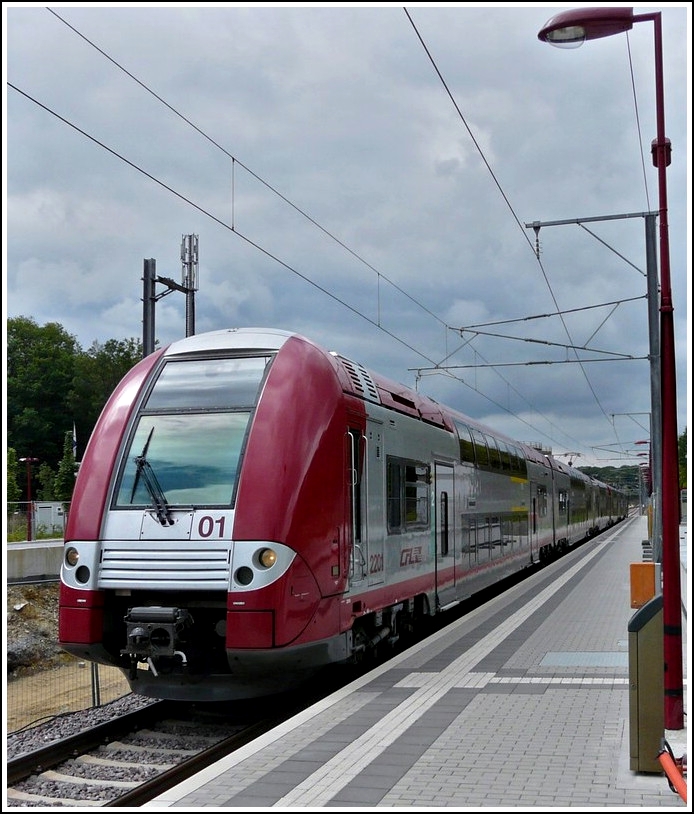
(444, 523)
(374, 535)
(540, 523)
(366, 495)
(356, 478)
(534, 523)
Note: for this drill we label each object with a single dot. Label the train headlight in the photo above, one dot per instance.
(72, 556)
(243, 575)
(267, 557)
(82, 574)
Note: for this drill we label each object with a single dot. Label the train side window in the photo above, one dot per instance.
(507, 534)
(471, 539)
(518, 465)
(407, 494)
(495, 538)
(563, 501)
(484, 540)
(505, 455)
(416, 495)
(494, 458)
(523, 465)
(467, 449)
(481, 449)
(473, 546)
(394, 496)
(444, 523)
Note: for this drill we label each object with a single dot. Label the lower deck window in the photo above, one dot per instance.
(408, 484)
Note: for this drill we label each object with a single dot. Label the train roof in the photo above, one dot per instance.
(256, 339)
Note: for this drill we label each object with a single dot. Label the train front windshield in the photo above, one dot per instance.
(188, 438)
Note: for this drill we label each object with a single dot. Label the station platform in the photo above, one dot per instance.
(523, 703)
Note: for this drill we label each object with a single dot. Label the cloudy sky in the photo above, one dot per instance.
(363, 174)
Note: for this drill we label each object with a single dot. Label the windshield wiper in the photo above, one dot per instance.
(143, 469)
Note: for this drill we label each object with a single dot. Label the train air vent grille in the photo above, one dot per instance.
(176, 566)
(362, 381)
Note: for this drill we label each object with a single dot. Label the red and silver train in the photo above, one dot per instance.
(251, 508)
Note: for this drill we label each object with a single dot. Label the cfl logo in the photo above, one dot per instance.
(410, 556)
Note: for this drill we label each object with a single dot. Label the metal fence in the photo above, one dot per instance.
(74, 685)
(71, 687)
(36, 519)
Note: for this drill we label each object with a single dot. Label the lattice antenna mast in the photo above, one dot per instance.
(189, 278)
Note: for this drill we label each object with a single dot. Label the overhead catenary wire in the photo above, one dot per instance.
(219, 221)
(515, 217)
(380, 276)
(544, 316)
(235, 230)
(235, 161)
(508, 203)
(255, 175)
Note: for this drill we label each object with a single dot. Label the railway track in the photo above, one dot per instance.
(130, 760)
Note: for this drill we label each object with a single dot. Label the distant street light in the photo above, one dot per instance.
(569, 29)
(29, 462)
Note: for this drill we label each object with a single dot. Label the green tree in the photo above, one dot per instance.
(45, 478)
(97, 372)
(64, 482)
(40, 373)
(53, 385)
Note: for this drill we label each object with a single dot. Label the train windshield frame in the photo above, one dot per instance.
(186, 444)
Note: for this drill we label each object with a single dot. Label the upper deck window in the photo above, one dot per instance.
(467, 449)
(208, 384)
(481, 448)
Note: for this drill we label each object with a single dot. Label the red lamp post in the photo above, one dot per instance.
(29, 462)
(569, 29)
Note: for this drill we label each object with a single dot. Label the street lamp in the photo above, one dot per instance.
(569, 29)
(29, 462)
(645, 485)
